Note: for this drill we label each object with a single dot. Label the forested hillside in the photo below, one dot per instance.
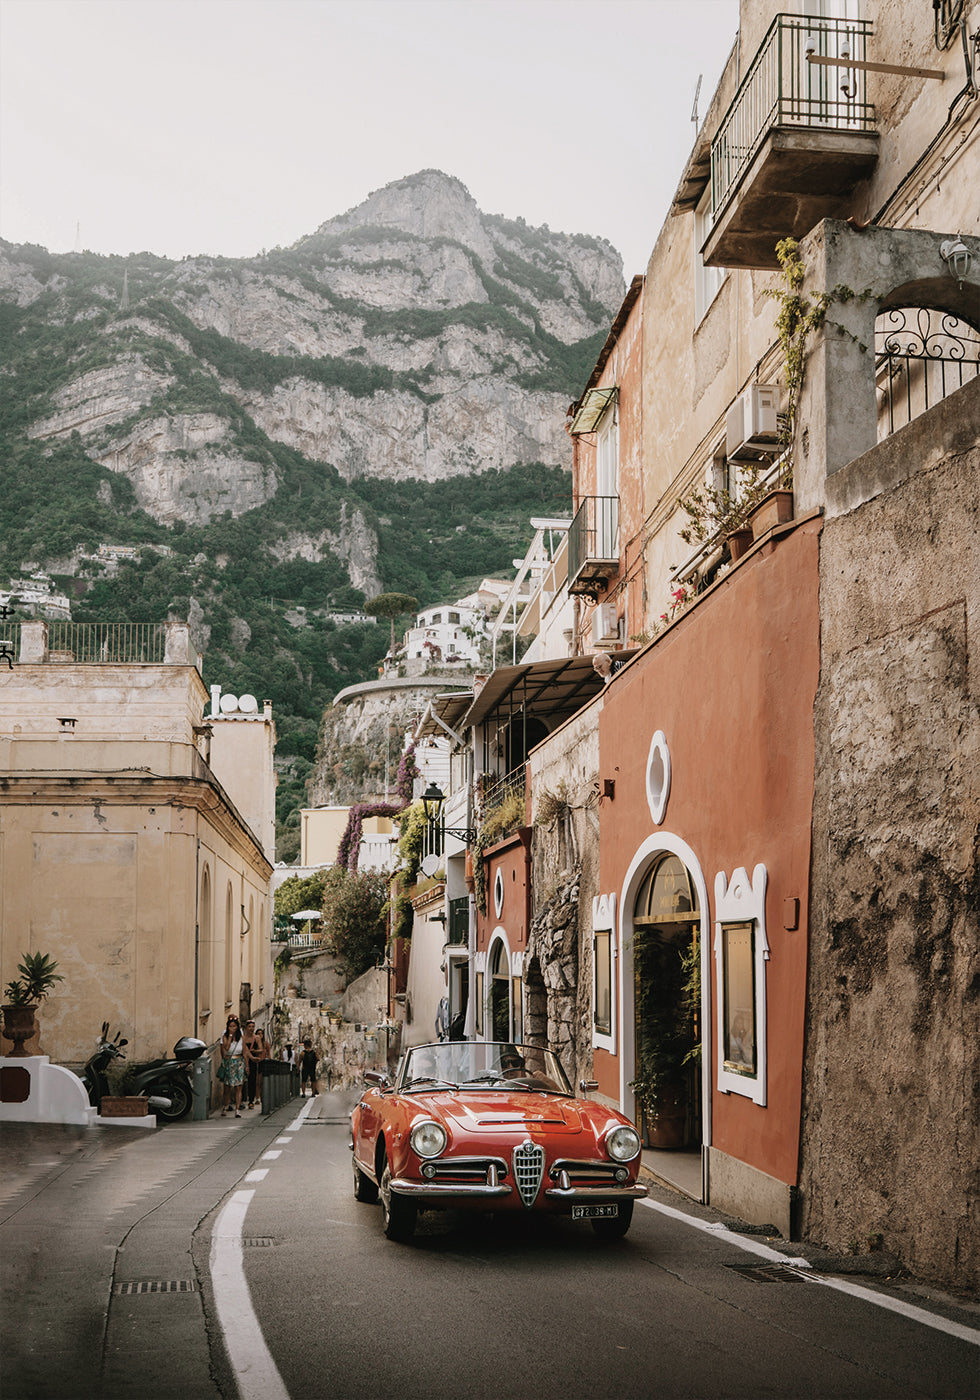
(378, 408)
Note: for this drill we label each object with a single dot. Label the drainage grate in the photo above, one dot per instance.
(257, 1241)
(766, 1273)
(156, 1285)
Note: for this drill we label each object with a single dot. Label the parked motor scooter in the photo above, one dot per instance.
(165, 1083)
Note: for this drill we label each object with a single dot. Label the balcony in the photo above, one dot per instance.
(797, 139)
(593, 545)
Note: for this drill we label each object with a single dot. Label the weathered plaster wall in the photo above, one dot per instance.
(892, 1085)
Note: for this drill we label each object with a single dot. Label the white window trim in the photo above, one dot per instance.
(742, 901)
(604, 920)
(708, 281)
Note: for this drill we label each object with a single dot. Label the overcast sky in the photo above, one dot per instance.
(228, 126)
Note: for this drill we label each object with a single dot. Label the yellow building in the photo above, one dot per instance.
(135, 837)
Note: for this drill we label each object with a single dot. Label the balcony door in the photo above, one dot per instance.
(607, 484)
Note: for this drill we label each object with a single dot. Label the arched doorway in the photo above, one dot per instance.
(666, 935)
(499, 998)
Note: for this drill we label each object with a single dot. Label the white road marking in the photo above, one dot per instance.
(255, 1371)
(259, 1174)
(283, 1141)
(270, 1156)
(804, 1267)
(301, 1117)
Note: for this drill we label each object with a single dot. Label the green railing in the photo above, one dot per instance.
(783, 89)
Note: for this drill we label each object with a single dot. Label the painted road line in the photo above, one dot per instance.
(301, 1117)
(283, 1141)
(259, 1174)
(270, 1156)
(805, 1269)
(255, 1371)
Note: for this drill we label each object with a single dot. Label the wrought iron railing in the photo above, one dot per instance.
(782, 89)
(594, 532)
(921, 356)
(458, 928)
(127, 643)
(497, 790)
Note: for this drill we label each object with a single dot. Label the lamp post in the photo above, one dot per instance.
(432, 804)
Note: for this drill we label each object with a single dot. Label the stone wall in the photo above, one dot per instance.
(892, 1083)
(565, 878)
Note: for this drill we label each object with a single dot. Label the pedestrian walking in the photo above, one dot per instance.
(308, 1070)
(231, 1071)
(256, 1050)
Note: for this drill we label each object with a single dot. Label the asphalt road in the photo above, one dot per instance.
(229, 1258)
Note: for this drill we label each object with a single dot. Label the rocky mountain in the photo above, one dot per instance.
(298, 429)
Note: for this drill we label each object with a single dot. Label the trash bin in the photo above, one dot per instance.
(201, 1088)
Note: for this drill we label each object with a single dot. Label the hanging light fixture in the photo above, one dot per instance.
(956, 255)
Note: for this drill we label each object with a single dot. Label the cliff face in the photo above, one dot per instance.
(412, 337)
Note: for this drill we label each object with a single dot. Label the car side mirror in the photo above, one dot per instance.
(374, 1076)
(587, 1085)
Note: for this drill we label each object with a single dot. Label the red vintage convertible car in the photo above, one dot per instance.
(491, 1127)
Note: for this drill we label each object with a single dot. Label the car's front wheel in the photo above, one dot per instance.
(615, 1227)
(364, 1188)
(399, 1213)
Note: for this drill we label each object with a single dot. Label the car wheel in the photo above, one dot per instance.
(365, 1190)
(615, 1227)
(398, 1212)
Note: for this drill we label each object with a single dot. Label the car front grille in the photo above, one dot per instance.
(571, 1173)
(528, 1162)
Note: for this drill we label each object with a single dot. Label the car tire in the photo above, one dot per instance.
(399, 1213)
(615, 1228)
(365, 1190)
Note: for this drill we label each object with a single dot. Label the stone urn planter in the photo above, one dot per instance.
(775, 508)
(18, 1025)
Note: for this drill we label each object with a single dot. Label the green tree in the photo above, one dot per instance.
(354, 927)
(391, 605)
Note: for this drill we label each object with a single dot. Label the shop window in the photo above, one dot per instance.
(479, 1004)
(603, 975)
(741, 953)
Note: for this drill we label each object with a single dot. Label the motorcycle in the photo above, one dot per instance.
(165, 1083)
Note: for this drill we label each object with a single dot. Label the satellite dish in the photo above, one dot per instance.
(229, 704)
(430, 865)
(248, 704)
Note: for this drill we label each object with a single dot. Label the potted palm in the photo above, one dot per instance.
(38, 974)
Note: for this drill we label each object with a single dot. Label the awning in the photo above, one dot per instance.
(556, 689)
(591, 408)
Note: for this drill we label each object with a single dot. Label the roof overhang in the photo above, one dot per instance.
(555, 689)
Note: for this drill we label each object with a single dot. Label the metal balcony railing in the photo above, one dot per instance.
(458, 928)
(782, 89)
(140, 643)
(921, 356)
(497, 790)
(593, 539)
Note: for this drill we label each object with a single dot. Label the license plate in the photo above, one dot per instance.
(594, 1212)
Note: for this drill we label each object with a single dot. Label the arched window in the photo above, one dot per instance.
(204, 946)
(231, 991)
(921, 356)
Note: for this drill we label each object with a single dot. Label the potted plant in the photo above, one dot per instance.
(24, 994)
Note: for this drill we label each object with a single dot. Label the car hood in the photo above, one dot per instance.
(496, 1112)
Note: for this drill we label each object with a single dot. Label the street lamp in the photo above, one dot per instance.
(432, 804)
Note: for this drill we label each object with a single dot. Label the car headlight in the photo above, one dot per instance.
(428, 1139)
(623, 1144)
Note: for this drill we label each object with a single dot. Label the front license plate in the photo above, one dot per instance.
(594, 1212)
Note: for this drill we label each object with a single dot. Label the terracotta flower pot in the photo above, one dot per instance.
(774, 509)
(740, 542)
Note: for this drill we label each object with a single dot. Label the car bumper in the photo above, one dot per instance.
(462, 1190)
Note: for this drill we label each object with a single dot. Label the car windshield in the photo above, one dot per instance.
(460, 1064)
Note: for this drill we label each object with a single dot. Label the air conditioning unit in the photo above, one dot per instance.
(605, 627)
(752, 425)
